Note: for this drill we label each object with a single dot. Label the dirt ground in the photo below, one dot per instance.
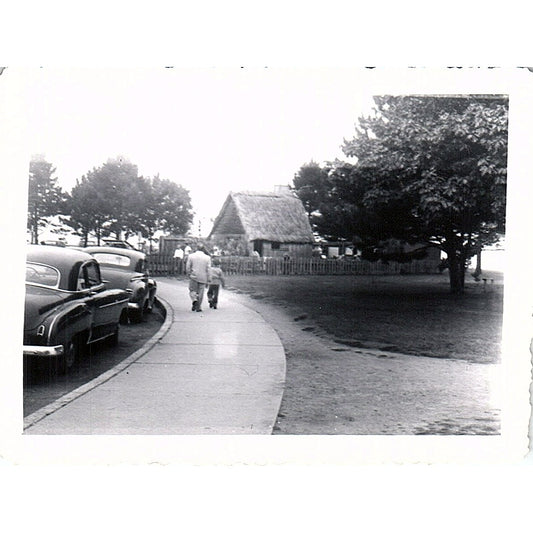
(358, 388)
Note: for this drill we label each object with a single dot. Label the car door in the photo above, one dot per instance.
(105, 305)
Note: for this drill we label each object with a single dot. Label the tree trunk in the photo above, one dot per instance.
(35, 232)
(457, 279)
(456, 269)
(477, 272)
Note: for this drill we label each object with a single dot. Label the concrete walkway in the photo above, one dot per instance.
(216, 372)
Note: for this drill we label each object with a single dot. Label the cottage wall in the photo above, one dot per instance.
(291, 249)
(232, 244)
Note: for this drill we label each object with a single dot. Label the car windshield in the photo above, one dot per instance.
(42, 275)
(112, 259)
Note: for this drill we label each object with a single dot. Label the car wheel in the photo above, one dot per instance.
(70, 357)
(147, 307)
(113, 339)
(136, 315)
(150, 304)
(123, 317)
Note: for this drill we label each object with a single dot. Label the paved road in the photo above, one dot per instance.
(217, 372)
(42, 386)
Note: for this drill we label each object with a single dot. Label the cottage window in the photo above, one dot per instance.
(276, 245)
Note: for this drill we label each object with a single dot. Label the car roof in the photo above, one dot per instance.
(132, 254)
(63, 259)
(54, 255)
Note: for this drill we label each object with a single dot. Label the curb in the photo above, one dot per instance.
(47, 410)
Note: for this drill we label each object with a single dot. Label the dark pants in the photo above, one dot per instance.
(212, 294)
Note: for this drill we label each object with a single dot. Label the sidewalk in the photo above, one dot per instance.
(216, 372)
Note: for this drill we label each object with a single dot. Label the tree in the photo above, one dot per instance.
(45, 197)
(114, 199)
(332, 197)
(117, 184)
(86, 214)
(435, 172)
(172, 204)
(311, 185)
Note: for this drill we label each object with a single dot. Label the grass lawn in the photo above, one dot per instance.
(411, 314)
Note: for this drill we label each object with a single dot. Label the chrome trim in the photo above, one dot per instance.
(52, 325)
(112, 303)
(134, 305)
(53, 288)
(44, 351)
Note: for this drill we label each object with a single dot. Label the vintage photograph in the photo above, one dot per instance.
(267, 252)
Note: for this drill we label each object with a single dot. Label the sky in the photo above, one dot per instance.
(210, 130)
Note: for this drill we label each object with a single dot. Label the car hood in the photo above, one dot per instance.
(39, 302)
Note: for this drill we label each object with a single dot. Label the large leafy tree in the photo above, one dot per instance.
(87, 215)
(435, 172)
(45, 197)
(114, 199)
(333, 197)
(166, 207)
(173, 206)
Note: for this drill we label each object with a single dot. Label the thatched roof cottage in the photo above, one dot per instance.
(272, 224)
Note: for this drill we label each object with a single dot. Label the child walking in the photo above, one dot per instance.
(217, 279)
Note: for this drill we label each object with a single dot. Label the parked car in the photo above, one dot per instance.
(118, 244)
(126, 269)
(67, 305)
(51, 242)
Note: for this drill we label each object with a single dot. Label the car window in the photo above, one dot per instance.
(89, 276)
(112, 259)
(42, 275)
(92, 274)
(81, 284)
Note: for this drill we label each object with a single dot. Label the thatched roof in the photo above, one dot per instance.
(276, 217)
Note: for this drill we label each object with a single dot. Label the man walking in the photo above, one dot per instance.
(198, 270)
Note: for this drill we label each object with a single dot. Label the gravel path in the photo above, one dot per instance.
(335, 389)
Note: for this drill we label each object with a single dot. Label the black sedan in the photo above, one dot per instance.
(67, 306)
(126, 269)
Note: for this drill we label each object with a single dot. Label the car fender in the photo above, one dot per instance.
(139, 290)
(70, 321)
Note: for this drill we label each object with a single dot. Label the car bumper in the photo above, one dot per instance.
(44, 351)
(134, 305)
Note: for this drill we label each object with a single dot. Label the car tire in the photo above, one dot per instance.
(136, 315)
(70, 357)
(124, 319)
(113, 339)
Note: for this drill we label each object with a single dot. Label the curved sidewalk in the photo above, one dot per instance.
(217, 372)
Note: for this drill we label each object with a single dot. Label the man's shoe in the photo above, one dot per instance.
(198, 310)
